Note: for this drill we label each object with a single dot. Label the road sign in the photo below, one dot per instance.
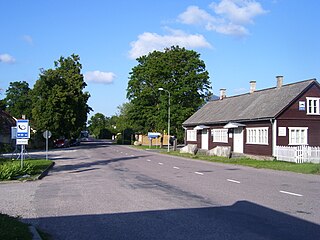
(23, 128)
(47, 134)
(153, 134)
(22, 141)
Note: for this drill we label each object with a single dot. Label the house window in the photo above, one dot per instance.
(220, 135)
(313, 106)
(257, 135)
(298, 136)
(191, 135)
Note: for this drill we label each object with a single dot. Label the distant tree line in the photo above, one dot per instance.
(58, 101)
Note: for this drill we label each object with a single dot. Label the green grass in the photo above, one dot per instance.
(148, 148)
(37, 166)
(306, 168)
(12, 228)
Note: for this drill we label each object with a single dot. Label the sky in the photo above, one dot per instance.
(239, 41)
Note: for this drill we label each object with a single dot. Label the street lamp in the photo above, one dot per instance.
(162, 89)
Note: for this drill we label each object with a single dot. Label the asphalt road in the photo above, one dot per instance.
(103, 191)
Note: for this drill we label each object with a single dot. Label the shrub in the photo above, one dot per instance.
(10, 170)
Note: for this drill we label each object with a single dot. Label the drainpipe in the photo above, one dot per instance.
(274, 136)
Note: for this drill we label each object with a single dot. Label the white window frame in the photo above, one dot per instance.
(313, 105)
(192, 135)
(219, 135)
(258, 135)
(298, 135)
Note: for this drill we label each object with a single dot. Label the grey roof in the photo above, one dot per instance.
(262, 104)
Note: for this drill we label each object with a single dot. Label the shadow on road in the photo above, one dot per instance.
(243, 220)
(84, 165)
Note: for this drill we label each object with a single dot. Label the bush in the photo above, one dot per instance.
(5, 148)
(10, 170)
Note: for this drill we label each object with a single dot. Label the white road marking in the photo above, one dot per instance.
(176, 168)
(234, 181)
(160, 163)
(291, 193)
(148, 160)
(199, 173)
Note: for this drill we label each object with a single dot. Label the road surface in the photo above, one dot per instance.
(104, 191)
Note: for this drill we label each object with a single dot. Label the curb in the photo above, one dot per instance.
(35, 234)
(45, 172)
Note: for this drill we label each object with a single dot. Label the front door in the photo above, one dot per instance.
(205, 139)
(238, 140)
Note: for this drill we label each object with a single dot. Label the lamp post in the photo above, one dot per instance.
(162, 89)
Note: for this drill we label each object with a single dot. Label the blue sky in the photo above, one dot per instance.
(239, 40)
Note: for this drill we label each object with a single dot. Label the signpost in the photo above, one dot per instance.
(47, 134)
(23, 135)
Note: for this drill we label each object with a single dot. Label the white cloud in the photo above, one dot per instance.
(148, 42)
(229, 17)
(28, 39)
(6, 58)
(195, 15)
(238, 11)
(228, 29)
(99, 77)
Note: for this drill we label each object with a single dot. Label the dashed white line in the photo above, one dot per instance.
(234, 181)
(199, 173)
(176, 167)
(291, 193)
(148, 160)
(160, 163)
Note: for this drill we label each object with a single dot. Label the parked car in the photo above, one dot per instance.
(61, 143)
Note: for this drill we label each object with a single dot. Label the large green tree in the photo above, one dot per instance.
(18, 99)
(59, 101)
(98, 125)
(177, 70)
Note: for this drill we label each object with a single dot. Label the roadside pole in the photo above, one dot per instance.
(22, 155)
(47, 134)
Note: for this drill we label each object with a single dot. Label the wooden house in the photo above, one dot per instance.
(6, 122)
(256, 122)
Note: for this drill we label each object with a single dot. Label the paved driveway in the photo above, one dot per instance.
(103, 191)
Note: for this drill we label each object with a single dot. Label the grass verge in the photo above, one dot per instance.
(12, 228)
(10, 169)
(306, 168)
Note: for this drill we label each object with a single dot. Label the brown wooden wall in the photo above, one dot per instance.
(254, 149)
(293, 117)
(257, 149)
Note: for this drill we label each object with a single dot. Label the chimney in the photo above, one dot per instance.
(252, 86)
(279, 81)
(222, 93)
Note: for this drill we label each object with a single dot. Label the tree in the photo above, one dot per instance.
(18, 99)
(122, 125)
(98, 125)
(59, 103)
(177, 70)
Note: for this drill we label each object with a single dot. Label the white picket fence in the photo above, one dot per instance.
(298, 154)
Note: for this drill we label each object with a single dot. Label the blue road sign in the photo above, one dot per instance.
(23, 129)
